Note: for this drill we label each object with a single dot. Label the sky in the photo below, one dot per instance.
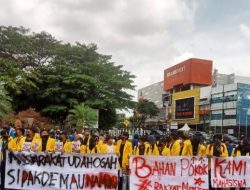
(145, 36)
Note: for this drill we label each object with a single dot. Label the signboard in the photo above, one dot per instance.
(191, 71)
(184, 108)
(230, 172)
(159, 172)
(42, 171)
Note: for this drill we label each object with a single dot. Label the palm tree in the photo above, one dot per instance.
(82, 116)
(5, 102)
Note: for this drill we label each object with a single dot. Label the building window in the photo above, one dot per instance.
(216, 116)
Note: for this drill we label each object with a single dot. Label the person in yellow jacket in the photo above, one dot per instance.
(175, 146)
(67, 145)
(47, 143)
(153, 149)
(109, 147)
(141, 148)
(124, 150)
(201, 148)
(217, 149)
(19, 139)
(165, 151)
(7, 144)
(93, 147)
(76, 143)
(86, 138)
(243, 149)
(30, 143)
(187, 149)
(6, 141)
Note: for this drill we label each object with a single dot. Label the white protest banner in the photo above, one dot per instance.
(230, 172)
(42, 171)
(168, 173)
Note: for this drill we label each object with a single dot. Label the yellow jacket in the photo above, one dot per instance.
(50, 146)
(19, 142)
(153, 150)
(187, 148)
(100, 144)
(11, 144)
(201, 150)
(127, 152)
(175, 148)
(237, 153)
(35, 144)
(223, 147)
(37, 136)
(83, 149)
(136, 149)
(95, 150)
(67, 147)
(165, 151)
(104, 149)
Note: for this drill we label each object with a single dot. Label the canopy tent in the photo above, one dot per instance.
(185, 128)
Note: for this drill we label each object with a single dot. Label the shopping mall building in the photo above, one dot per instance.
(193, 93)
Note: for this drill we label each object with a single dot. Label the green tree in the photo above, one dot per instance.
(144, 109)
(42, 72)
(5, 103)
(81, 116)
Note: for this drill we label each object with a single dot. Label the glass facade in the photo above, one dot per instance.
(243, 107)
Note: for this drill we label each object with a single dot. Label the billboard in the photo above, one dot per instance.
(191, 71)
(184, 108)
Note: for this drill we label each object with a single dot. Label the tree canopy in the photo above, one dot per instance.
(144, 109)
(42, 72)
(5, 103)
(82, 116)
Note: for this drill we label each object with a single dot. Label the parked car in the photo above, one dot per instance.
(227, 137)
(201, 134)
(157, 133)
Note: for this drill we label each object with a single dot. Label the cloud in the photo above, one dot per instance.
(145, 36)
(245, 30)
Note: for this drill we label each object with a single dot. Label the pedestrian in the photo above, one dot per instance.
(7, 144)
(31, 143)
(165, 151)
(109, 147)
(201, 147)
(124, 147)
(47, 142)
(187, 149)
(175, 146)
(152, 149)
(93, 147)
(216, 149)
(66, 144)
(141, 147)
(19, 139)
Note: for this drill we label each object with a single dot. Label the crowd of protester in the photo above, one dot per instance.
(34, 140)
